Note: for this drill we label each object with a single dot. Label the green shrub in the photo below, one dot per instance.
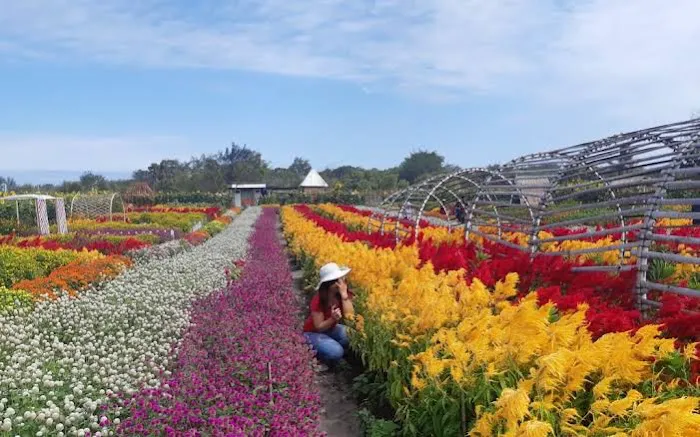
(14, 299)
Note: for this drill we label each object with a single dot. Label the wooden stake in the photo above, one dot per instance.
(269, 381)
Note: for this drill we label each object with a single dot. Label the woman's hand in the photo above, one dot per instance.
(343, 288)
(337, 314)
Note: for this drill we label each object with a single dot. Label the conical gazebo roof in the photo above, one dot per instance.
(313, 180)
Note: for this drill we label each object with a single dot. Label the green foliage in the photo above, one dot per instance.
(419, 164)
(90, 181)
(300, 167)
(17, 264)
(660, 270)
(9, 226)
(212, 228)
(193, 198)
(375, 427)
(115, 239)
(182, 221)
(7, 184)
(694, 281)
(14, 299)
(359, 179)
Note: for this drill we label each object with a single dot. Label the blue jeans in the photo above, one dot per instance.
(329, 345)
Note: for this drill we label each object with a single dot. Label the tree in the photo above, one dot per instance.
(300, 166)
(206, 174)
(91, 181)
(419, 164)
(141, 176)
(242, 164)
(8, 183)
(162, 176)
(282, 177)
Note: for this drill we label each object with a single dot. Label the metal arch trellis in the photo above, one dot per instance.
(573, 162)
(613, 190)
(690, 152)
(441, 185)
(384, 211)
(416, 189)
(93, 206)
(473, 212)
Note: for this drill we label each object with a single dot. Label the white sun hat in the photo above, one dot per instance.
(331, 272)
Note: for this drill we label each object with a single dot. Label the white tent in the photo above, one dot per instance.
(313, 180)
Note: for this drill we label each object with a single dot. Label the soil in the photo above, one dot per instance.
(339, 415)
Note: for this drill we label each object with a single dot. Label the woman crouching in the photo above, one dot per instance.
(330, 304)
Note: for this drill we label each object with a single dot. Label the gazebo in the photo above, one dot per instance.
(313, 183)
(42, 216)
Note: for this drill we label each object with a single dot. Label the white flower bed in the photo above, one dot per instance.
(159, 251)
(59, 363)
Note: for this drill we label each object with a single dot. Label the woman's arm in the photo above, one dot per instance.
(322, 325)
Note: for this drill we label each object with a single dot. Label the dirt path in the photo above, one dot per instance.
(339, 417)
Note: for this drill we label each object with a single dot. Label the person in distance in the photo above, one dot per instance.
(332, 301)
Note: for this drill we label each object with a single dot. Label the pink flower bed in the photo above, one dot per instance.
(243, 368)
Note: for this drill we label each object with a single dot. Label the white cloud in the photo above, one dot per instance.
(632, 59)
(436, 43)
(635, 60)
(59, 152)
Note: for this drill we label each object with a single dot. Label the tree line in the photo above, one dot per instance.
(240, 164)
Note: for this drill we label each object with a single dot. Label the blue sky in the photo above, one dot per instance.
(113, 85)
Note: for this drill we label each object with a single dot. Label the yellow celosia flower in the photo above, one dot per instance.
(507, 288)
(534, 428)
(602, 388)
(417, 383)
(689, 351)
(620, 406)
(675, 417)
(484, 425)
(513, 405)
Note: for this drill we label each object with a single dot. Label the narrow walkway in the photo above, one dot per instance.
(339, 416)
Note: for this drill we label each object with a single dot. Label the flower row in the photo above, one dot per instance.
(212, 211)
(242, 367)
(65, 366)
(611, 303)
(608, 236)
(459, 355)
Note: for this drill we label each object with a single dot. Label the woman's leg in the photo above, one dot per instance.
(340, 334)
(327, 349)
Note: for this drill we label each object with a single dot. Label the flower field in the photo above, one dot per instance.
(96, 251)
(475, 337)
(69, 365)
(197, 332)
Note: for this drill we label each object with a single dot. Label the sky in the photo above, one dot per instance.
(113, 85)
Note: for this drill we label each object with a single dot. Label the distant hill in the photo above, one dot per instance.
(41, 177)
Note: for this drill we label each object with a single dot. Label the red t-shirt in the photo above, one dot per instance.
(315, 306)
